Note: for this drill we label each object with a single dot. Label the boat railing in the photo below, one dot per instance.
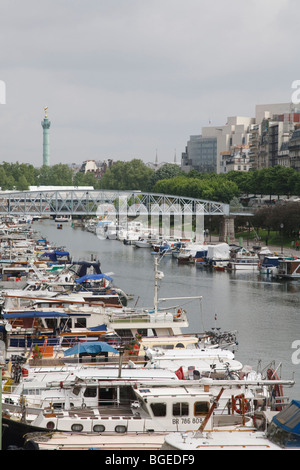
(148, 316)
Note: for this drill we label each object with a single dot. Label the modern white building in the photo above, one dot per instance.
(265, 137)
(215, 143)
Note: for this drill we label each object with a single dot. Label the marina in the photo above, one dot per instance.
(255, 350)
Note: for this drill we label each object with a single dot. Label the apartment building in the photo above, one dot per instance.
(210, 150)
(247, 143)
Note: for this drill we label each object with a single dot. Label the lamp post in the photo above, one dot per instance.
(281, 229)
(248, 229)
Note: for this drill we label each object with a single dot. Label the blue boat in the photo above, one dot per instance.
(270, 265)
(284, 429)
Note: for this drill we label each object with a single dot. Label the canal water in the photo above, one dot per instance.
(264, 313)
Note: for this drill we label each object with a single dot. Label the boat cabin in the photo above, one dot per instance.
(285, 427)
(289, 269)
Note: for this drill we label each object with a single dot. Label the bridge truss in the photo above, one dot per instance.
(94, 202)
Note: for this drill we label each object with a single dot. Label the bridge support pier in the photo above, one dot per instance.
(227, 233)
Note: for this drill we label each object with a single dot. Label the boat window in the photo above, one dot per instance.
(201, 408)
(90, 392)
(281, 437)
(51, 323)
(120, 429)
(50, 425)
(65, 324)
(76, 390)
(80, 323)
(124, 333)
(77, 427)
(180, 409)
(142, 332)
(99, 428)
(31, 391)
(159, 409)
(58, 406)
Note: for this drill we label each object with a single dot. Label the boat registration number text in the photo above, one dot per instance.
(187, 420)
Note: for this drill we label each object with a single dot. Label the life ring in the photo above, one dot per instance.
(277, 390)
(240, 404)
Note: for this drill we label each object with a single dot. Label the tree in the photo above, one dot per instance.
(85, 179)
(22, 184)
(166, 171)
(127, 175)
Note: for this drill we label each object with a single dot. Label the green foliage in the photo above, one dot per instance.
(167, 171)
(127, 175)
(215, 188)
(271, 218)
(169, 179)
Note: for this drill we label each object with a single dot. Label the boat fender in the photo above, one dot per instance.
(31, 445)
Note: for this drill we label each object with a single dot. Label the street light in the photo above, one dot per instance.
(281, 229)
(248, 230)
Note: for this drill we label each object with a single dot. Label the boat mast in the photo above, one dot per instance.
(158, 275)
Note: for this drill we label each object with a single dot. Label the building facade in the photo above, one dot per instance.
(200, 154)
(246, 143)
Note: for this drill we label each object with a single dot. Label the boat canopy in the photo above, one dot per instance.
(102, 327)
(285, 427)
(220, 251)
(94, 277)
(289, 418)
(271, 261)
(90, 348)
(53, 255)
(84, 265)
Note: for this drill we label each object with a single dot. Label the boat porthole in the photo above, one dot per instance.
(120, 429)
(77, 427)
(99, 428)
(50, 425)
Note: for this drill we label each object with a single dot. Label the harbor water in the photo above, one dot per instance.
(265, 313)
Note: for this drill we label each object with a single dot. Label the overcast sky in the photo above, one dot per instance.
(125, 79)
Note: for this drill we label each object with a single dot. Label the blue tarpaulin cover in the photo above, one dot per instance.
(98, 328)
(289, 418)
(54, 254)
(93, 347)
(94, 277)
(34, 314)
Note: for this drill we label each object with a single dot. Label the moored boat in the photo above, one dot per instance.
(289, 269)
(278, 432)
(151, 408)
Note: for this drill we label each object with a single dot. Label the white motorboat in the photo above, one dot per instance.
(270, 265)
(243, 264)
(278, 432)
(196, 362)
(139, 406)
(218, 256)
(143, 243)
(244, 260)
(62, 218)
